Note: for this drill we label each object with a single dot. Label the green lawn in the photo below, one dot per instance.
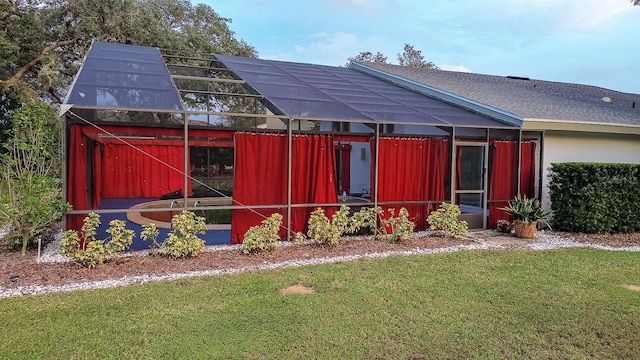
(471, 304)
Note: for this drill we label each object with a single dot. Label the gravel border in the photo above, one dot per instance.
(544, 241)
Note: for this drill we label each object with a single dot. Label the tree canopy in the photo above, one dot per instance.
(44, 41)
(413, 58)
(409, 57)
(368, 56)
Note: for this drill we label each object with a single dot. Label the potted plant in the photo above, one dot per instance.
(526, 214)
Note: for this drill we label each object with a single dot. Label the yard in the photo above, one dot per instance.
(568, 303)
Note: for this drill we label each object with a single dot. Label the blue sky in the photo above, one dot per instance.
(593, 42)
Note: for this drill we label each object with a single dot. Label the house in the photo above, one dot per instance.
(151, 133)
(579, 123)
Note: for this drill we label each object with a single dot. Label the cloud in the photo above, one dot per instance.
(563, 14)
(458, 68)
(335, 48)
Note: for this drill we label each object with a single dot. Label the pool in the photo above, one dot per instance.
(162, 219)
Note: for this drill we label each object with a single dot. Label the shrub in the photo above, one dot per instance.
(365, 218)
(263, 237)
(595, 197)
(89, 252)
(401, 227)
(183, 241)
(445, 220)
(323, 232)
(150, 232)
(30, 171)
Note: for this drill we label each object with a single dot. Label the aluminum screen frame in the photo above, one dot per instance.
(327, 92)
(124, 76)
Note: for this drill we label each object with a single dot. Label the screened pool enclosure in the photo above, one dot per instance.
(150, 133)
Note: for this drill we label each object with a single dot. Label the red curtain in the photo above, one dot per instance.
(260, 179)
(411, 170)
(97, 176)
(77, 177)
(313, 177)
(528, 168)
(502, 184)
(502, 178)
(142, 172)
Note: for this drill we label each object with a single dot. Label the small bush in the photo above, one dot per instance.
(89, 252)
(445, 220)
(263, 237)
(365, 218)
(401, 227)
(183, 240)
(323, 232)
(150, 232)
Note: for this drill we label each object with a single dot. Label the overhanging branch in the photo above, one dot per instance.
(15, 79)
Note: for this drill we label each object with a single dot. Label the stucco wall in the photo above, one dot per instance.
(565, 146)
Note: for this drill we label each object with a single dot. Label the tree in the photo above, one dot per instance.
(636, 2)
(367, 56)
(44, 41)
(410, 57)
(413, 58)
(9, 102)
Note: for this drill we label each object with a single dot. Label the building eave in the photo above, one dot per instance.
(581, 126)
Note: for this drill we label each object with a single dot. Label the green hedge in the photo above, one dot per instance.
(595, 197)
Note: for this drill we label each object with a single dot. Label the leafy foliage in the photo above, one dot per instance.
(413, 58)
(45, 41)
(263, 237)
(183, 241)
(522, 208)
(150, 232)
(88, 251)
(595, 197)
(445, 220)
(410, 57)
(366, 218)
(30, 171)
(325, 232)
(368, 56)
(9, 102)
(401, 227)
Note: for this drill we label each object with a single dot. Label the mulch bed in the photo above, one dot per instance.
(16, 270)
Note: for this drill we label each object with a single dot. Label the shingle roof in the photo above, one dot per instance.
(529, 98)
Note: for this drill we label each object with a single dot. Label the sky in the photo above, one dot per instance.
(593, 42)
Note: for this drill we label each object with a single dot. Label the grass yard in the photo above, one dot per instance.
(471, 304)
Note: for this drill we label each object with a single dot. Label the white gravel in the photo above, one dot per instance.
(544, 241)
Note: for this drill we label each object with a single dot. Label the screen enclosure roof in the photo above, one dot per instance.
(327, 92)
(124, 76)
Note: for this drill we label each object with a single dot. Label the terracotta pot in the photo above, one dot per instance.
(525, 230)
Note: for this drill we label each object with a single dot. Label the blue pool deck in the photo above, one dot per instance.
(211, 237)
